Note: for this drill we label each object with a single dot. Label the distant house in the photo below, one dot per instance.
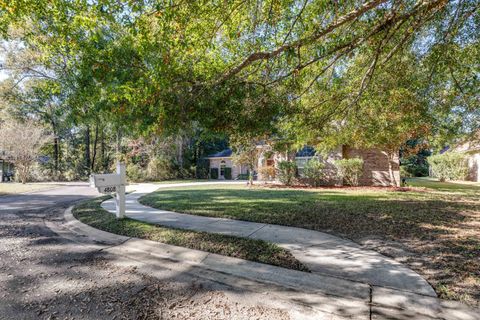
(6, 170)
(378, 169)
(221, 161)
(472, 149)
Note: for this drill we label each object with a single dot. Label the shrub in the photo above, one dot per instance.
(243, 176)
(314, 173)
(404, 172)
(160, 168)
(214, 173)
(135, 172)
(286, 172)
(228, 173)
(267, 173)
(70, 175)
(184, 173)
(449, 166)
(350, 170)
(413, 170)
(202, 169)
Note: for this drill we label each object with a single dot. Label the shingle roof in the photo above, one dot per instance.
(222, 154)
(306, 152)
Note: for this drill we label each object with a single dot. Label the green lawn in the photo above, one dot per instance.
(443, 186)
(437, 225)
(180, 181)
(14, 188)
(90, 212)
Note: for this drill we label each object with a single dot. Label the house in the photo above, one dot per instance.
(220, 161)
(472, 150)
(6, 170)
(379, 168)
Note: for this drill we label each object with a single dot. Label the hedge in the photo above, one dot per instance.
(214, 173)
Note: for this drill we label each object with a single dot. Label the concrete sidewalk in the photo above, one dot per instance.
(323, 253)
(304, 295)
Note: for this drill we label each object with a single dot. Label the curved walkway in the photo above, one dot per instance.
(323, 253)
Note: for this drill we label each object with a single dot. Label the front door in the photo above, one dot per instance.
(222, 169)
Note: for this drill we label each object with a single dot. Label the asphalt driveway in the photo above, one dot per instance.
(44, 276)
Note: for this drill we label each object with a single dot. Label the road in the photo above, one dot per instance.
(66, 194)
(44, 276)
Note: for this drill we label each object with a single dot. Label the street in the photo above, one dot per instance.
(44, 276)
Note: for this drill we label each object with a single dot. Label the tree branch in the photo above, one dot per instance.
(301, 42)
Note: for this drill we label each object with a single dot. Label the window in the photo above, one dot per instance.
(222, 168)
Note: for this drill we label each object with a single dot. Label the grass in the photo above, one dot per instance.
(443, 186)
(90, 212)
(180, 181)
(9, 188)
(433, 227)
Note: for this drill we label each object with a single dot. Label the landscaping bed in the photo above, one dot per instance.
(432, 227)
(90, 212)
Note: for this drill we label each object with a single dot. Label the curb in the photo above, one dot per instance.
(214, 261)
(325, 295)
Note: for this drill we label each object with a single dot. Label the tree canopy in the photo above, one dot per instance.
(366, 72)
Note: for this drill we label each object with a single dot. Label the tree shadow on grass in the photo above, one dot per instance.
(439, 231)
(72, 281)
(352, 216)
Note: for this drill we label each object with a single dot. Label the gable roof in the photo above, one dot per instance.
(470, 144)
(222, 154)
(306, 151)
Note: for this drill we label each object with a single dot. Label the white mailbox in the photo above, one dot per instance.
(112, 183)
(106, 180)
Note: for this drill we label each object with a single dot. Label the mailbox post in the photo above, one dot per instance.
(110, 183)
(120, 196)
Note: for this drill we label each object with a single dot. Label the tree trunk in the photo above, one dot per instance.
(23, 172)
(56, 149)
(56, 155)
(118, 148)
(94, 147)
(102, 151)
(87, 149)
(250, 176)
(180, 151)
(391, 157)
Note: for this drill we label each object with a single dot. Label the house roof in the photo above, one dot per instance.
(306, 152)
(470, 144)
(43, 159)
(222, 154)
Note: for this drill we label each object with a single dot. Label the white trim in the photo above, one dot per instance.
(219, 157)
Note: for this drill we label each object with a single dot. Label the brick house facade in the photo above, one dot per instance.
(379, 168)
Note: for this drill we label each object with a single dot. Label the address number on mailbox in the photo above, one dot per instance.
(110, 189)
